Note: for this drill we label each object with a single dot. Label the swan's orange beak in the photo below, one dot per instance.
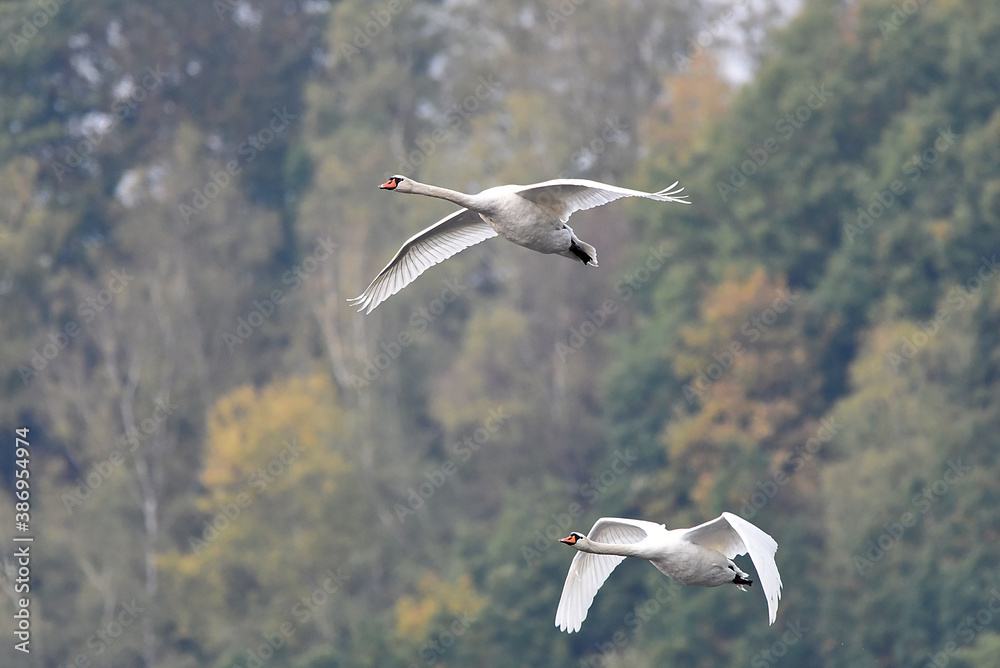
(389, 185)
(569, 540)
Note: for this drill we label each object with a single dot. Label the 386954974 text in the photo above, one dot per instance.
(22, 551)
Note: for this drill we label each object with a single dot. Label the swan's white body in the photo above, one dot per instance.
(701, 556)
(533, 216)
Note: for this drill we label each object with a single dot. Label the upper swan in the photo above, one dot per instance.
(533, 216)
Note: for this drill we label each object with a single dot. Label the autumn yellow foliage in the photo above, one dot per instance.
(249, 427)
(434, 598)
(738, 356)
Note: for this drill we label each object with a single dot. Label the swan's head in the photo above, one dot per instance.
(572, 538)
(400, 182)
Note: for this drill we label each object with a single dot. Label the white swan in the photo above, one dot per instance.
(532, 216)
(701, 556)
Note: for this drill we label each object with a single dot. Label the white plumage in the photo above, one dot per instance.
(533, 216)
(701, 556)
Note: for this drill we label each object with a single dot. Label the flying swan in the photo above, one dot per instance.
(532, 216)
(702, 556)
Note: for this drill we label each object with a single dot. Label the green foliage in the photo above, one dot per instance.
(264, 471)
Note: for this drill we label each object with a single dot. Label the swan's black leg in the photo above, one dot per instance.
(740, 580)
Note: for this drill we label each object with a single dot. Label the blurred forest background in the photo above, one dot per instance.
(233, 468)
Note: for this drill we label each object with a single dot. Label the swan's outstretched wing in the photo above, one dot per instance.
(566, 196)
(436, 244)
(733, 535)
(589, 571)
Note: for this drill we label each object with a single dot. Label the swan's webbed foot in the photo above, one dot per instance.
(582, 254)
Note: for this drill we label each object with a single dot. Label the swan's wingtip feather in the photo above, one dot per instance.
(366, 302)
(673, 194)
(363, 301)
(772, 613)
(568, 627)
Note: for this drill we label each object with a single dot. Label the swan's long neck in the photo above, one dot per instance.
(620, 549)
(461, 199)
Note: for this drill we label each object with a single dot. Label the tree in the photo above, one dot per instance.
(278, 481)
